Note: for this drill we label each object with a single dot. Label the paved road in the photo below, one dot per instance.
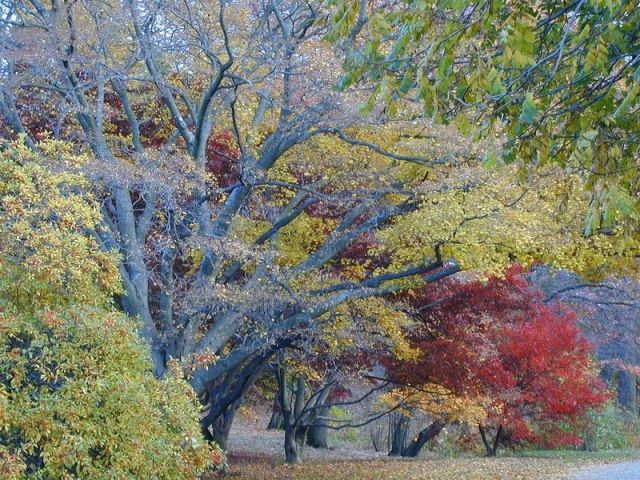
(620, 471)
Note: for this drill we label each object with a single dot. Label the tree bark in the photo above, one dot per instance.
(491, 445)
(276, 422)
(627, 394)
(317, 434)
(399, 434)
(292, 402)
(413, 449)
(294, 436)
(226, 397)
(295, 431)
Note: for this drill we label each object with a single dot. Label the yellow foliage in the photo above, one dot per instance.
(438, 402)
(489, 220)
(390, 321)
(77, 395)
(45, 214)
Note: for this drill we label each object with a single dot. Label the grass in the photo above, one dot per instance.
(531, 465)
(602, 456)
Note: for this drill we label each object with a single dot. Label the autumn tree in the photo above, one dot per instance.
(201, 273)
(497, 342)
(313, 375)
(77, 398)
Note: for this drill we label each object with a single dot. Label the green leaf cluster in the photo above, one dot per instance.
(558, 82)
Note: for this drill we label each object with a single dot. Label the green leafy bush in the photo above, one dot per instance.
(78, 400)
(611, 428)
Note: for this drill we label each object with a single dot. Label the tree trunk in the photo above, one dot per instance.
(491, 446)
(294, 437)
(295, 431)
(218, 430)
(300, 436)
(293, 444)
(627, 395)
(399, 434)
(276, 422)
(225, 397)
(317, 416)
(317, 434)
(429, 433)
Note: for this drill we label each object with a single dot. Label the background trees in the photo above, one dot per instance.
(608, 316)
(196, 283)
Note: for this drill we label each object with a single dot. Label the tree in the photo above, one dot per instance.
(560, 80)
(441, 405)
(198, 270)
(77, 397)
(311, 375)
(498, 342)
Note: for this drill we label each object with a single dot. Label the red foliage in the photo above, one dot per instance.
(499, 340)
(222, 157)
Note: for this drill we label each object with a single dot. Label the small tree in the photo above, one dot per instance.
(497, 340)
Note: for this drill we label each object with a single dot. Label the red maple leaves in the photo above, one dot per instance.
(498, 340)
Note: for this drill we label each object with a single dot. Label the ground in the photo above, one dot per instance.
(255, 453)
(256, 467)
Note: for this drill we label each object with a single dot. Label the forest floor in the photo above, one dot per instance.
(256, 453)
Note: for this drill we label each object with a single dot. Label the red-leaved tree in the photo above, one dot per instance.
(498, 340)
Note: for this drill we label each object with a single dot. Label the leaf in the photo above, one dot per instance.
(529, 112)
(490, 160)
(463, 124)
(407, 80)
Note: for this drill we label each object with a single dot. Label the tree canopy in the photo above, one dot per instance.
(500, 347)
(558, 80)
(242, 206)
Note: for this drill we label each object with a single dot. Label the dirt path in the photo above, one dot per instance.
(250, 438)
(619, 471)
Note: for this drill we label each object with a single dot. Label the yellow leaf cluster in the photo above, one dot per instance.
(437, 401)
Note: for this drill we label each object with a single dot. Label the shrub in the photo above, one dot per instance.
(609, 428)
(78, 400)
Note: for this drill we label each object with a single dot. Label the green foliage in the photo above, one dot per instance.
(611, 428)
(77, 396)
(347, 435)
(78, 400)
(559, 83)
